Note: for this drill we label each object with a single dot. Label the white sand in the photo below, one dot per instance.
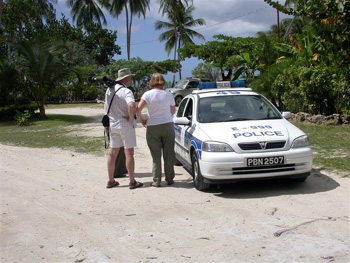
(55, 208)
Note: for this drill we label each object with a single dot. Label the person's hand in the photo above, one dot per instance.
(144, 122)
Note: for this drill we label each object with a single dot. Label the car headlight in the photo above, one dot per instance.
(302, 141)
(216, 147)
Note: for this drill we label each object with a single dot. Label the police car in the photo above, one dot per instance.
(225, 135)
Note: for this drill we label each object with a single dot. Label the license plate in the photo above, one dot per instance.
(263, 161)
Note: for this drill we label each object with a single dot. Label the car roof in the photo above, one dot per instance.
(223, 92)
(201, 79)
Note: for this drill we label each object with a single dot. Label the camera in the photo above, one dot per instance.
(105, 80)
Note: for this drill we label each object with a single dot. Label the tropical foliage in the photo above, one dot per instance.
(178, 29)
(87, 13)
(307, 71)
(131, 7)
(225, 53)
(43, 58)
(39, 63)
(205, 70)
(319, 75)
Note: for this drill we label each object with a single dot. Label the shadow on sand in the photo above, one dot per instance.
(184, 183)
(315, 183)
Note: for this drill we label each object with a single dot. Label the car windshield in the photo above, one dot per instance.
(181, 84)
(235, 108)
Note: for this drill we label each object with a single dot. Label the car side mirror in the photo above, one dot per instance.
(182, 121)
(287, 115)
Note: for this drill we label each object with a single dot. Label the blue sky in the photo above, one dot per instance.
(237, 18)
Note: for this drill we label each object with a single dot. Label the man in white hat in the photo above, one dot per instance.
(122, 126)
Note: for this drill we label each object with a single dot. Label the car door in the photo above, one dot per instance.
(182, 135)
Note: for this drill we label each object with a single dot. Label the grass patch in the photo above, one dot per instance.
(53, 132)
(331, 146)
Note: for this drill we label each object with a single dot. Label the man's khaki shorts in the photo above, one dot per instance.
(123, 137)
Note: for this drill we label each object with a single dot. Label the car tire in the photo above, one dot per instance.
(301, 178)
(178, 99)
(198, 180)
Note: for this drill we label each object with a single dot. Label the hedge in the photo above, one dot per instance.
(8, 112)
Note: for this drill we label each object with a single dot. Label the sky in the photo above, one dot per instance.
(236, 18)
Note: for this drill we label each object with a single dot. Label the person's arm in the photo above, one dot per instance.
(131, 111)
(172, 110)
(140, 106)
(172, 104)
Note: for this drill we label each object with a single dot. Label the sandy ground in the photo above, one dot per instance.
(55, 208)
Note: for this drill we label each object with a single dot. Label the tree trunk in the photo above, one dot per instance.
(278, 26)
(1, 5)
(178, 59)
(42, 113)
(174, 68)
(129, 39)
(128, 31)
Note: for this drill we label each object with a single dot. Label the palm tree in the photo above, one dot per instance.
(1, 7)
(290, 7)
(87, 12)
(40, 67)
(43, 4)
(166, 4)
(131, 7)
(179, 33)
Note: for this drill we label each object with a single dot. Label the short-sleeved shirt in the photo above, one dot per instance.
(158, 104)
(119, 107)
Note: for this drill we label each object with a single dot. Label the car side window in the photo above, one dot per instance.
(192, 84)
(181, 108)
(189, 109)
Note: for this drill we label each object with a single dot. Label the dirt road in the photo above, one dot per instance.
(55, 208)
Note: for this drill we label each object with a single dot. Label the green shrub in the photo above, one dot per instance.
(316, 90)
(90, 92)
(9, 112)
(22, 119)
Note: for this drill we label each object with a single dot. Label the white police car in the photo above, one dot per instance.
(224, 135)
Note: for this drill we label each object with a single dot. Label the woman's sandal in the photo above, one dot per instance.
(112, 184)
(135, 184)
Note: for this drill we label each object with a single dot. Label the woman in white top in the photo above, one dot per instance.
(160, 133)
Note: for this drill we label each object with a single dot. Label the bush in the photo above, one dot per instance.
(316, 90)
(9, 112)
(59, 94)
(90, 92)
(22, 119)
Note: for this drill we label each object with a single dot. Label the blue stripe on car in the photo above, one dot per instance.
(197, 144)
(177, 130)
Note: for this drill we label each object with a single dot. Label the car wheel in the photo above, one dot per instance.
(178, 99)
(198, 179)
(301, 178)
